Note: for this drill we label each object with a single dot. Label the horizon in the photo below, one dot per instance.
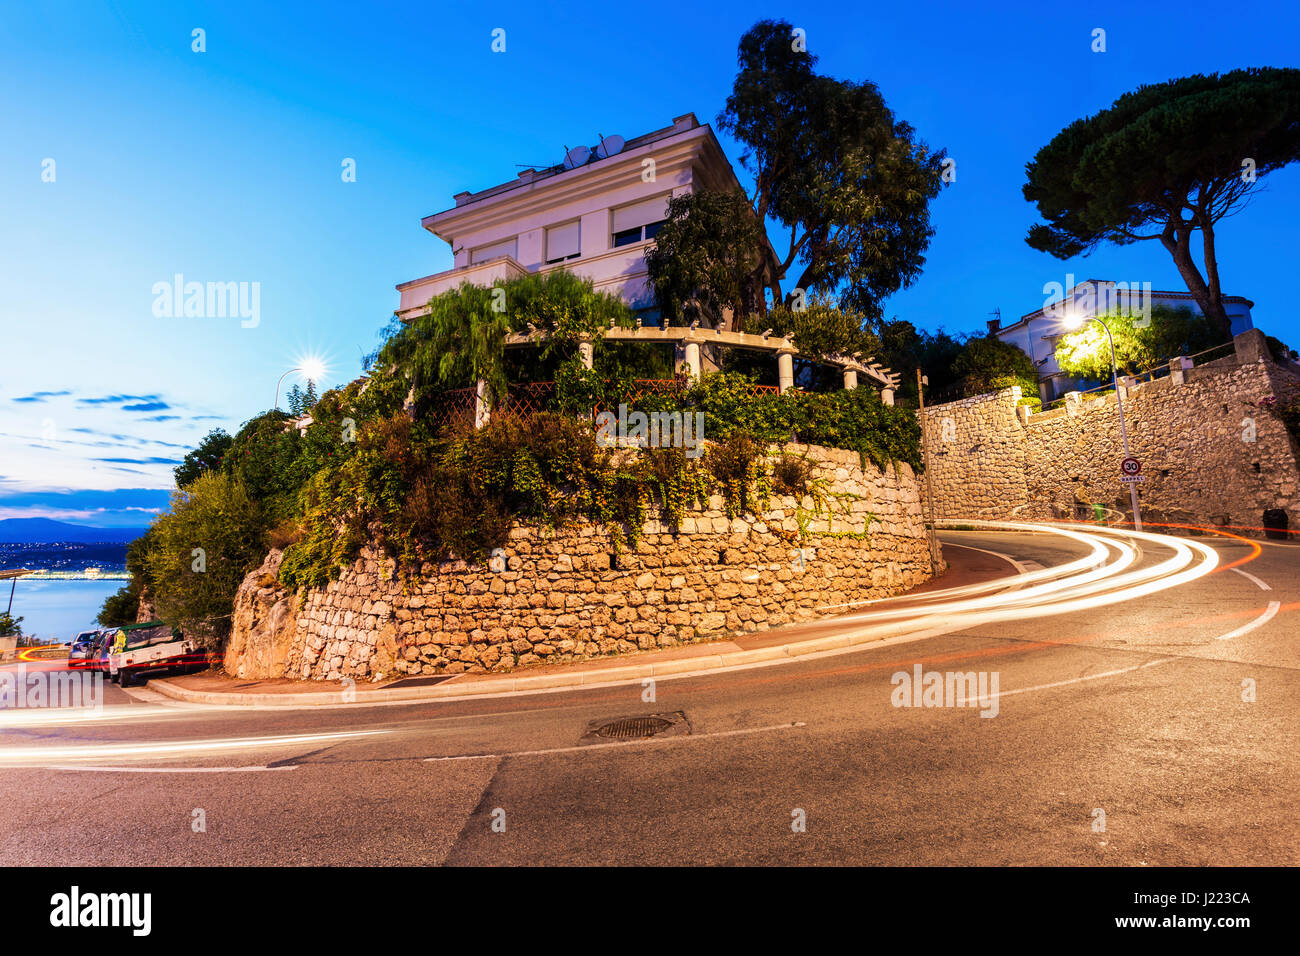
(224, 166)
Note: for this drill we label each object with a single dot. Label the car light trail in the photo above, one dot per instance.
(1100, 578)
(42, 755)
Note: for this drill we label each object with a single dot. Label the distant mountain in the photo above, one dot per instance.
(46, 530)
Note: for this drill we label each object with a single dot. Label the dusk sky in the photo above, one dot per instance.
(225, 166)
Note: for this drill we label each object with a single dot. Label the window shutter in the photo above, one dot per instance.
(562, 241)
(638, 214)
(484, 253)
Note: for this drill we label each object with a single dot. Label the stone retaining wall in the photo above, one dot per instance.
(1210, 452)
(560, 596)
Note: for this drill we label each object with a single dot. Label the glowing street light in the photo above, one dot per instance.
(1074, 319)
(312, 369)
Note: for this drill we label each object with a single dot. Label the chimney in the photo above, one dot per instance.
(994, 325)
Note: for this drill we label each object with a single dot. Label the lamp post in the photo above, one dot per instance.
(279, 382)
(1077, 322)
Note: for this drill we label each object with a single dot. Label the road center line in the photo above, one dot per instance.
(1080, 680)
(1269, 613)
(632, 743)
(1246, 574)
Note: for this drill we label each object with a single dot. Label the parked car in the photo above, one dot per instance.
(79, 648)
(96, 656)
(150, 648)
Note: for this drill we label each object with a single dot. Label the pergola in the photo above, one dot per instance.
(688, 340)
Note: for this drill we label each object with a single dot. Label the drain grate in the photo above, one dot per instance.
(633, 728)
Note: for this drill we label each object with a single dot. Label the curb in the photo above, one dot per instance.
(508, 686)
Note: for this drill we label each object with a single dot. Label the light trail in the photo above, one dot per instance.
(1100, 578)
(1112, 570)
(44, 755)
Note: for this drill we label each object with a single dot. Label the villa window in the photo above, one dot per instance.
(562, 242)
(494, 251)
(639, 221)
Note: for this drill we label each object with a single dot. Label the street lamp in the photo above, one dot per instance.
(1076, 320)
(280, 381)
(312, 369)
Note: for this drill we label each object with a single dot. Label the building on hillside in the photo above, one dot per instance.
(596, 214)
(1037, 333)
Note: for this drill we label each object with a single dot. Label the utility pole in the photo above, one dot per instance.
(929, 480)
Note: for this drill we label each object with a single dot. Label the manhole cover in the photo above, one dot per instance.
(631, 728)
(639, 727)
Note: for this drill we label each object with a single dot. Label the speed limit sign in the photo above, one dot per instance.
(1130, 466)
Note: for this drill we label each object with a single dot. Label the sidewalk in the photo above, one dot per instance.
(965, 567)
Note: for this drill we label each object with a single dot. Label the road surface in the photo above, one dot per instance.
(1162, 729)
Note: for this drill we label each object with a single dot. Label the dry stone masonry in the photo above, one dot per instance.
(1211, 450)
(561, 595)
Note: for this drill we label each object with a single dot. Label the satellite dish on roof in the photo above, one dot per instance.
(609, 146)
(576, 157)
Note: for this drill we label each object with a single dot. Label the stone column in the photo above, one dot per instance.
(850, 378)
(692, 350)
(482, 410)
(887, 396)
(1179, 366)
(1251, 347)
(785, 369)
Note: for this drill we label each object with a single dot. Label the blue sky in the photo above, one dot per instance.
(224, 166)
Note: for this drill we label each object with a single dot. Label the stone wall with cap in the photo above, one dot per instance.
(565, 595)
(1213, 450)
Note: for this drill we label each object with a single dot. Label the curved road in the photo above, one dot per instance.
(1160, 729)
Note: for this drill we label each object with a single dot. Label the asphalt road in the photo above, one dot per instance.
(1134, 711)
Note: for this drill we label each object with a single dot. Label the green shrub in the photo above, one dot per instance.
(200, 551)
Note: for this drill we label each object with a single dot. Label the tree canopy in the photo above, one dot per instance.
(460, 337)
(706, 258)
(987, 364)
(834, 167)
(1162, 163)
(1170, 332)
(208, 456)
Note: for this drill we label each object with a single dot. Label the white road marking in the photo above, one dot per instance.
(1246, 574)
(627, 743)
(1080, 680)
(1269, 613)
(1020, 566)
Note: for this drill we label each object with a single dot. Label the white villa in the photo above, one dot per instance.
(1036, 334)
(596, 214)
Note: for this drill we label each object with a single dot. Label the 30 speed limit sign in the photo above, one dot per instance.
(1130, 466)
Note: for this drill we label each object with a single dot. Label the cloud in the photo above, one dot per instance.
(41, 396)
(162, 418)
(118, 399)
(139, 461)
(146, 407)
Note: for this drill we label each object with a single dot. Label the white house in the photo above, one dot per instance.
(594, 214)
(1036, 334)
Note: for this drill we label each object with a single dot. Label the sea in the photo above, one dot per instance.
(57, 610)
